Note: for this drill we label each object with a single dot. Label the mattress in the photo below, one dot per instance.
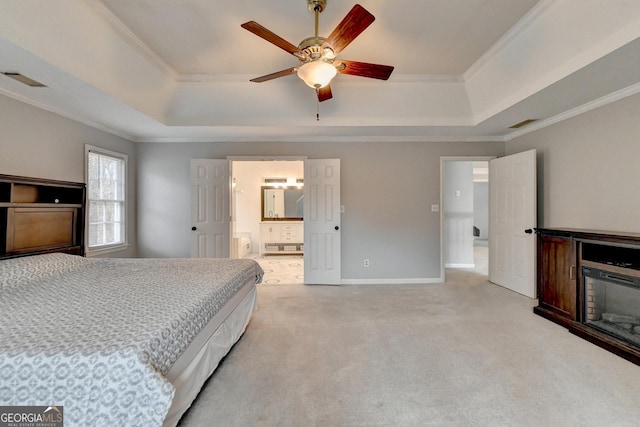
(99, 336)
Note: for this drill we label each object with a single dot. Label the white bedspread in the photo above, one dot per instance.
(96, 335)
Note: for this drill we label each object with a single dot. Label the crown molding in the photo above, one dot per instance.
(131, 38)
(600, 102)
(65, 114)
(320, 139)
(523, 24)
(395, 78)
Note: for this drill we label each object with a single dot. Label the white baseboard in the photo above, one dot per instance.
(459, 266)
(412, 281)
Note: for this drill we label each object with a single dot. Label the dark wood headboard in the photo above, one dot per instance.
(40, 216)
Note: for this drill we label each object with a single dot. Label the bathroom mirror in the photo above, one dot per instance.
(282, 203)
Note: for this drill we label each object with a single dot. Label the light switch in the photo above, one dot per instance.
(341, 208)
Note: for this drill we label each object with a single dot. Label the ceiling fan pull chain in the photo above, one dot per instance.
(317, 107)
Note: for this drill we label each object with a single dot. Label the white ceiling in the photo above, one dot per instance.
(167, 70)
(418, 37)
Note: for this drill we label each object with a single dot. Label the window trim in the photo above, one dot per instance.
(105, 249)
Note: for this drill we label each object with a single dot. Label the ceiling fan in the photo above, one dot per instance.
(318, 55)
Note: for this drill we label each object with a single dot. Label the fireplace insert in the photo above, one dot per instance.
(612, 302)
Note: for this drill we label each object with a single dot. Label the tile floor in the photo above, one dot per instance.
(281, 269)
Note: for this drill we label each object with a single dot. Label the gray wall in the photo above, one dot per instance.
(458, 213)
(589, 168)
(37, 143)
(587, 178)
(387, 190)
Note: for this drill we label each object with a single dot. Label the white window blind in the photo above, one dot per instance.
(106, 183)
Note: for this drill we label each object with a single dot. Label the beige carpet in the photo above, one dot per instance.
(463, 353)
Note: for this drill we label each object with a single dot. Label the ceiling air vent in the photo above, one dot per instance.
(522, 123)
(24, 79)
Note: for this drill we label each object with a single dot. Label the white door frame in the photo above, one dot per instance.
(306, 161)
(444, 159)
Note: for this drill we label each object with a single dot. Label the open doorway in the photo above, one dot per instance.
(465, 214)
(481, 217)
(266, 220)
(215, 210)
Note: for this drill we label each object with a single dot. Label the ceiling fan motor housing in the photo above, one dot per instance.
(316, 5)
(316, 48)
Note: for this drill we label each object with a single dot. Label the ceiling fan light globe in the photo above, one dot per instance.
(317, 74)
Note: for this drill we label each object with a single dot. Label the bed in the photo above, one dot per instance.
(118, 341)
(126, 342)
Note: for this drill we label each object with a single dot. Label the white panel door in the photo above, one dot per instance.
(512, 218)
(210, 208)
(322, 222)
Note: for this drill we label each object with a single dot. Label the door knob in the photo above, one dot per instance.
(528, 231)
(337, 228)
(194, 228)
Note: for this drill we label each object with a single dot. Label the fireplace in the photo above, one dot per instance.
(589, 282)
(611, 296)
(612, 303)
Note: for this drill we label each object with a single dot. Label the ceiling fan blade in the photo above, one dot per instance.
(364, 69)
(275, 75)
(356, 21)
(324, 93)
(271, 37)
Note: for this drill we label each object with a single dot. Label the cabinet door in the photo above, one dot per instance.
(270, 233)
(557, 275)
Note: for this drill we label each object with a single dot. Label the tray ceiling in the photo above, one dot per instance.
(166, 70)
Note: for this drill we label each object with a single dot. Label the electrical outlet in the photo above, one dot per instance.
(366, 262)
(435, 208)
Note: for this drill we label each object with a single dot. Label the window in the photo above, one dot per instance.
(106, 201)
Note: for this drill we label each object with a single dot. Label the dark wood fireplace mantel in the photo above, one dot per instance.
(562, 254)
